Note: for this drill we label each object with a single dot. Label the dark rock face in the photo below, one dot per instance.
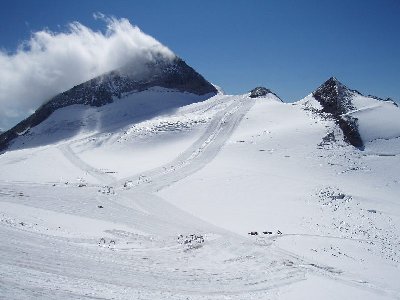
(261, 91)
(335, 99)
(102, 90)
(349, 127)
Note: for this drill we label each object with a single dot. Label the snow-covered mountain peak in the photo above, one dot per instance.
(362, 119)
(337, 99)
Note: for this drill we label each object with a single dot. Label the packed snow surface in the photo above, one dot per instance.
(128, 202)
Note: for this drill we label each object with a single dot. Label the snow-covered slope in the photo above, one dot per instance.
(153, 196)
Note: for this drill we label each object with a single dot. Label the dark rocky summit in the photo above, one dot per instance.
(260, 92)
(335, 99)
(172, 74)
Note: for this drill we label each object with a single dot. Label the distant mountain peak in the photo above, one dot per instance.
(334, 82)
(261, 91)
(333, 79)
(336, 99)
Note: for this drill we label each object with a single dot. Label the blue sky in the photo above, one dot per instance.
(289, 46)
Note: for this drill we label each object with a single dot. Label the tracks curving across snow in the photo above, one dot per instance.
(199, 154)
(104, 178)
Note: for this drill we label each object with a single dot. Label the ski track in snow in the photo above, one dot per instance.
(75, 160)
(145, 261)
(199, 154)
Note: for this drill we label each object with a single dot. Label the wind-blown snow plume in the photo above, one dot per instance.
(52, 62)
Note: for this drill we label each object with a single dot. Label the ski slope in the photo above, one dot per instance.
(97, 212)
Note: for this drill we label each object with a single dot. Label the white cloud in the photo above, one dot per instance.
(52, 62)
